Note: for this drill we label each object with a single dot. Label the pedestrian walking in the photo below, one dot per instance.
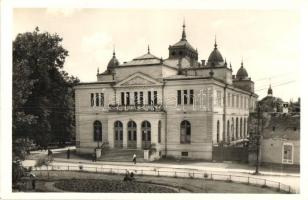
(134, 158)
(49, 155)
(33, 177)
(68, 153)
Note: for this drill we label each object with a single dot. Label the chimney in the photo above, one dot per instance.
(203, 63)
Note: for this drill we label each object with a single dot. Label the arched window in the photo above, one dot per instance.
(185, 132)
(159, 131)
(132, 131)
(232, 129)
(236, 129)
(241, 128)
(97, 133)
(218, 132)
(118, 132)
(245, 134)
(228, 131)
(146, 134)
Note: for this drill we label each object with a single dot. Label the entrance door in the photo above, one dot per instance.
(146, 134)
(132, 135)
(118, 134)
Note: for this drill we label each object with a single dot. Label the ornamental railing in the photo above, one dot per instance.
(135, 108)
(46, 171)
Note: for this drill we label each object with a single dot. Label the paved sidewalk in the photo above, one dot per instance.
(284, 176)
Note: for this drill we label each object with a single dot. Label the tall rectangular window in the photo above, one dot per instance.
(155, 97)
(287, 153)
(191, 97)
(127, 98)
(228, 101)
(97, 99)
(149, 98)
(141, 98)
(237, 101)
(179, 98)
(185, 97)
(92, 99)
(219, 98)
(136, 98)
(102, 99)
(122, 98)
(232, 100)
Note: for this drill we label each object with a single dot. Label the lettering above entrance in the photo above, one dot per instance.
(138, 79)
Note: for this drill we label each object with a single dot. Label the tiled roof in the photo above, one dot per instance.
(284, 126)
(182, 43)
(175, 62)
(146, 59)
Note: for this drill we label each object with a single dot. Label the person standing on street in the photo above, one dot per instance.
(68, 153)
(50, 155)
(134, 158)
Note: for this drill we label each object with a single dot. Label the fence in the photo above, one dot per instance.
(172, 173)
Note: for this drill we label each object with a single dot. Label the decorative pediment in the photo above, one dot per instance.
(138, 79)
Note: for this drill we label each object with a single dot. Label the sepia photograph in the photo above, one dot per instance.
(155, 100)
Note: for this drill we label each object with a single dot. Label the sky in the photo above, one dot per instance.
(266, 40)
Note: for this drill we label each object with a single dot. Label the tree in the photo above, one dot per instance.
(43, 97)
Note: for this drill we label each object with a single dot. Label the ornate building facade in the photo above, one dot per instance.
(182, 106)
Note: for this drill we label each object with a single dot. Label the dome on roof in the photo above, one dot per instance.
(241, 73)
(215, 55)
(113, 62)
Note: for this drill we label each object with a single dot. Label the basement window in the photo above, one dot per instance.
(185, 153)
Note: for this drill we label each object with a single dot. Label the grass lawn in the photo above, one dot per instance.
(93, 182)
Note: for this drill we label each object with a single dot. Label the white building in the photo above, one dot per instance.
(182, 106)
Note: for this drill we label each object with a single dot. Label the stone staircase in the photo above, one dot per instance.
(122, 155)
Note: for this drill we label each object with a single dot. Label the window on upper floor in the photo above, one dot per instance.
(141, 98)
(127, 98)
(233, 100)
(219, 97)
(92, 99)
(136, 98)
(155, 97)
(191, 97)
(97, 99)
(185, 97)
(228, 99)
(149, 98)
(122, 98)
(102, 99)
(179, 97)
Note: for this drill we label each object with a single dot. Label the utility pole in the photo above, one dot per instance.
(258, 136)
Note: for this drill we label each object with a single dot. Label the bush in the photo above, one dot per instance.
(41, 161)
(18, 171)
